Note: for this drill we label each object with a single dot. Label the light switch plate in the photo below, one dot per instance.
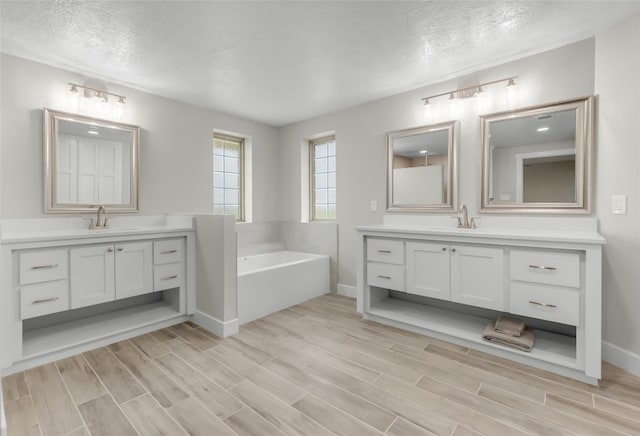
(374, 205)
(619, 205)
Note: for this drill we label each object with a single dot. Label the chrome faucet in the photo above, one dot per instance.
(99, 224)
(464, 222)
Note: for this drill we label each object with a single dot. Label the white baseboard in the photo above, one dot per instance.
(346, 290)
(621, 358)
(214, 325)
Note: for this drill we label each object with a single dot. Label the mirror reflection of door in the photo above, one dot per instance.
(92, 164)
(420, 164)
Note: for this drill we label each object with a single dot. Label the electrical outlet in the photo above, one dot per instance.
(374, 205)
(619, 205)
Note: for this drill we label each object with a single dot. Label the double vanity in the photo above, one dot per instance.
(450, 283)
(71, 288)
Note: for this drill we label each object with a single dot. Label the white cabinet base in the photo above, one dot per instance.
(494, 271)
(91, 322)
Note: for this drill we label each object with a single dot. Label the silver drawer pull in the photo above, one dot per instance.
(168, 251)
(53, 265)
(45, 300)
(548, 268)
(384, 277)
(537, 303)
(384, 251)
(169, 278)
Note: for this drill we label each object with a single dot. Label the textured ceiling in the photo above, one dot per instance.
(281, 62)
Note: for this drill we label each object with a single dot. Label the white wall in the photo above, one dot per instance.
(560, 74)
(617, 70)
(176, 145)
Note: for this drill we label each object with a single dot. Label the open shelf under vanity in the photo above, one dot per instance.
(464, 326)
(53, 333)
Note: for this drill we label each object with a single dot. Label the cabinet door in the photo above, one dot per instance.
(428, 269)
(92, 280)
(134, 269)
(477, 276)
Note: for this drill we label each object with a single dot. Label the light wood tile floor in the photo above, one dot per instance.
(314, 369)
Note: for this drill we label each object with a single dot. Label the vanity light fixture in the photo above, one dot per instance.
(470, 91)
(95, 102)
(93, 93)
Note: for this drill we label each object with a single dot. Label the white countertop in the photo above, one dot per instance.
(564, 235)
(54, 229)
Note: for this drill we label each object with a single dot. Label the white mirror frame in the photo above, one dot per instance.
(450, 205)
(51, 204)
(584, 145)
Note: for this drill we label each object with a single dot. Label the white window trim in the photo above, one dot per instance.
(319, 139)
(246, 174)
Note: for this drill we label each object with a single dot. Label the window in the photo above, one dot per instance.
(228, 193)
(322, 154)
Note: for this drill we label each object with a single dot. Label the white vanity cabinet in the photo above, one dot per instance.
(67, 292)
(477, 276)
(461, 273)
(92, 269)
(44, 284)
(451, 283)
(106, 272)
(428, 270)
(134, 268)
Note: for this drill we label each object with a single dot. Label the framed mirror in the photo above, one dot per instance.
(89, 162)
(538, 159)
(422, 167)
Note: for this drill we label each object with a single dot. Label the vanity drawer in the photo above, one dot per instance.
(44, 298)
(167, 276)
(168, 251)
(548, 267)
(43, 266)
(385, 276)
(385, 250)
(551, 304)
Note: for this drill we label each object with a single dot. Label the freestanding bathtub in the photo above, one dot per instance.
(274, 281)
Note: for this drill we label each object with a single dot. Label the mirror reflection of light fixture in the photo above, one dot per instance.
(95, 102)
(471, 91)
(426, 157)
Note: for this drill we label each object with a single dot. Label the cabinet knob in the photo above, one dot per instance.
(119, 248)
(110, 250)
(444, 248)
(453, 250)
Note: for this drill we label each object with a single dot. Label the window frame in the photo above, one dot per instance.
(241, 194)
(312, 177)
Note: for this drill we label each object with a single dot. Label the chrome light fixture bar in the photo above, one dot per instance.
(470, 91)
(94, 93)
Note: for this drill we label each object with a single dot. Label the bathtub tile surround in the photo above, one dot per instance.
(450, 282)
(70, 288)
(315, 368)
